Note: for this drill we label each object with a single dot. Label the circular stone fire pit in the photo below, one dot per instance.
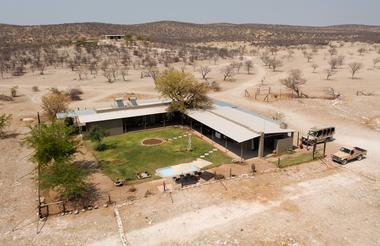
(152, 141)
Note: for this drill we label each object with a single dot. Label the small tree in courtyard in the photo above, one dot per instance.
(97, 134)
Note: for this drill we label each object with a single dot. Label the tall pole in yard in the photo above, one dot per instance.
(189, 144)
(38, 173)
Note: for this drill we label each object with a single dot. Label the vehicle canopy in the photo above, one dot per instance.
(322, 131)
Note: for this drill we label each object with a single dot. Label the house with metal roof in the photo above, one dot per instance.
(244, 133)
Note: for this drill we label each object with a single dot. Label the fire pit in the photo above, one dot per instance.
(152, 141)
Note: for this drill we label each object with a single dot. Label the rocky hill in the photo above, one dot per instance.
(175, 32)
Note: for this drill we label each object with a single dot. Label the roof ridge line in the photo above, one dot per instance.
(235, 122)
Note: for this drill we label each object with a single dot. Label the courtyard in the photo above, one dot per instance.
(127, 154)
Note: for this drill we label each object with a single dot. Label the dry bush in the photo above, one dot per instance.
(329, 73)
(376, 61)
(354, 67)
(74, 94)
(35, 89)
(294, 81)
(5, 98)
(14, 91)
(55, 102)
(227, 71)
(214, 86)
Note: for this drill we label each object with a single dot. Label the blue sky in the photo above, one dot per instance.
(293, 12)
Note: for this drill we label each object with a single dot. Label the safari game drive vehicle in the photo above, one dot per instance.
(344, 155)
(318, 135)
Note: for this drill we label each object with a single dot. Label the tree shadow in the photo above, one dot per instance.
(91, 195)
(10, 135)
(206, 176)
(90, 166)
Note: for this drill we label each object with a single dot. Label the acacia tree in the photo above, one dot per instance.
(333, 62)
(275, 63)
(183, 89)
(333, 51)
(361, 51)
(54, 147)
(204, 71)
(294, 81)
(228, 72)
(248, 66)
(375, 61)
(354, 67)
(329, 73)
(55, 102)
(67, 178)
(52, 143)
(314, 66)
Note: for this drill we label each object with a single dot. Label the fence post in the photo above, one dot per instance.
(278, 162)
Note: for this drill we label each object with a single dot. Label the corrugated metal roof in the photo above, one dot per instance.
(75, 113)
(250, 121)
(120, 114)
(224, 126)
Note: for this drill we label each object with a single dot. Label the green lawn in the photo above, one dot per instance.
(296, 159)
(125, 156)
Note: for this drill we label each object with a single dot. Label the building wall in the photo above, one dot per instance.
(113, 127)
(283, 145)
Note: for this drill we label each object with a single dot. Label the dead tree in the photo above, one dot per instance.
(228, 72)
(274, 50)
(108, 74)
(204, 71)
(361, 51)
(333, 62)
(248, 66)
(290, 54)
(294, 81)
(354, 68)
(333, 51)
(124, 72)
(237, 66)
(329, 73)
(314, 66)
(375, 61)
(332, 94)
(274, 63)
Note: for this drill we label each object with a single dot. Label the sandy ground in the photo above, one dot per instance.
(312, 204)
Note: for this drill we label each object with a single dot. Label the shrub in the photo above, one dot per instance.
(101, 147)
(96, 134)
(14, 91)
(253, 168)
(5, 121)
(74, 94)
(132, 189)
(35, 89)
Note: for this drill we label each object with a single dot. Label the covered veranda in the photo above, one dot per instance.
(234, 137)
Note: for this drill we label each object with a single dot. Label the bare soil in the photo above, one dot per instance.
(318, 203)
(152, 141)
